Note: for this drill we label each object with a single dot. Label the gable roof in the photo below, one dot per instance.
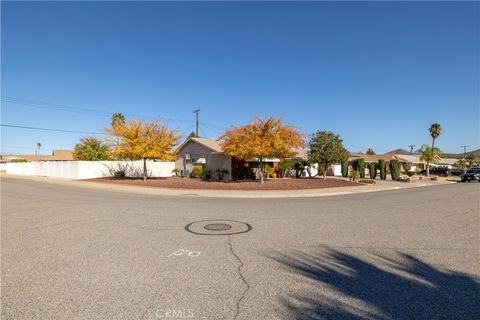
(209, 143)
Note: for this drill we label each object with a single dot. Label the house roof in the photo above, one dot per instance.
(209, 143)
(57, 154)
(371, 157)
(409, 158)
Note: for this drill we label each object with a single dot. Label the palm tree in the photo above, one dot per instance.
(117, 118)
(430, 155)
(39, 145)
(435, 131)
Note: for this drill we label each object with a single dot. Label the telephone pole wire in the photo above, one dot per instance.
(196, 121)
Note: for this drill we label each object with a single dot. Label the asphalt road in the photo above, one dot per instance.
(75, 253)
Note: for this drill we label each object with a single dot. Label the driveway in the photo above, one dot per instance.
(71, 252)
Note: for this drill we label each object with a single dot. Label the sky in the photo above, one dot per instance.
(377, 73)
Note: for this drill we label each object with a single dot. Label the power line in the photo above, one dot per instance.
(49, 129)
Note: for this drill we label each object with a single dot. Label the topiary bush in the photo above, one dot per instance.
(361, 167)
(345, 168)
(354, 165)
(372, 168)
(395, 170)
(383, 169)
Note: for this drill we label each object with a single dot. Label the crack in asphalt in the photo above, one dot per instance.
(239, 271)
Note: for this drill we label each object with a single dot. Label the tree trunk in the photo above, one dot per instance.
(144, 169)
(260, 164)
(428, 169)
(433, 143)
(325, 171)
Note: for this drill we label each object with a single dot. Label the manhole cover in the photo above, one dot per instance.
(218, 227)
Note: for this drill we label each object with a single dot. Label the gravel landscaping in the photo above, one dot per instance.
(272, 184)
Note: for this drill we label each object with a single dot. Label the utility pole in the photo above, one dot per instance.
(411, 148)
(196, 122)
(464, 151)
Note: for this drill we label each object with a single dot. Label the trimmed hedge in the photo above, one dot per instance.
(395, 170)
(383, 169)
(361, 167)
(372, 168)
(345, 168)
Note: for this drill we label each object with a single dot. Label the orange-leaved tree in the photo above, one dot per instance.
(138, 140)
(262, 139)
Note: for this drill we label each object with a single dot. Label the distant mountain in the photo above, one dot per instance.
(398, 151)
(460, 155)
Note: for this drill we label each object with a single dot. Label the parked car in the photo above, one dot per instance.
(458, 172)
(439, 171)
(471, 174)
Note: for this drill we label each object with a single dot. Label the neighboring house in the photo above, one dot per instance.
(208, 153)
(412, 162)
(202, 151)
(57, 154)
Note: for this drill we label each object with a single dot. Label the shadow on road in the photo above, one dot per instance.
(397, 286)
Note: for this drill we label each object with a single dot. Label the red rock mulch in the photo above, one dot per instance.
(272, 184)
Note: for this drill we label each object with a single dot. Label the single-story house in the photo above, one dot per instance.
(57, 154)
(208, 153)
(411, 162)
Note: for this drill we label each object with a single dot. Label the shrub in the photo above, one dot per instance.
(361, 167)
(354, 175)
(395, 170)
(372, 168)
(284, 166)
(243, 173)
(197, 171)
(120, 170)
(18, 160)
(366, 181)
(355, 165)
(410, 173)
(383, 169)
(345, 168)
(207, 174)
(270, 171)
(221, 173)
(176, 172)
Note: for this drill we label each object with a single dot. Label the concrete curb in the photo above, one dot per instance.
(308, 193)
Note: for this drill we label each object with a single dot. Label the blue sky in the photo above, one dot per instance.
(377, 73)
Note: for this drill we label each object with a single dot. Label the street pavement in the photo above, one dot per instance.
(74, 252)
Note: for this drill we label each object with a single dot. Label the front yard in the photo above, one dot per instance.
(271, 184)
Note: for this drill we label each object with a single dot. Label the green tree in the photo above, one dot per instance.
(435, 131)
(91, 149)
(285, 165)
(326, 148)
(345, 168)
(370, 151)
(117, 118)
(192, 135)
(430, 155)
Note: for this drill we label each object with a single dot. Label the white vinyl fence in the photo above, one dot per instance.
(78, 170)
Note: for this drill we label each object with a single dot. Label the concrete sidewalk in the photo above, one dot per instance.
(379, 186)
